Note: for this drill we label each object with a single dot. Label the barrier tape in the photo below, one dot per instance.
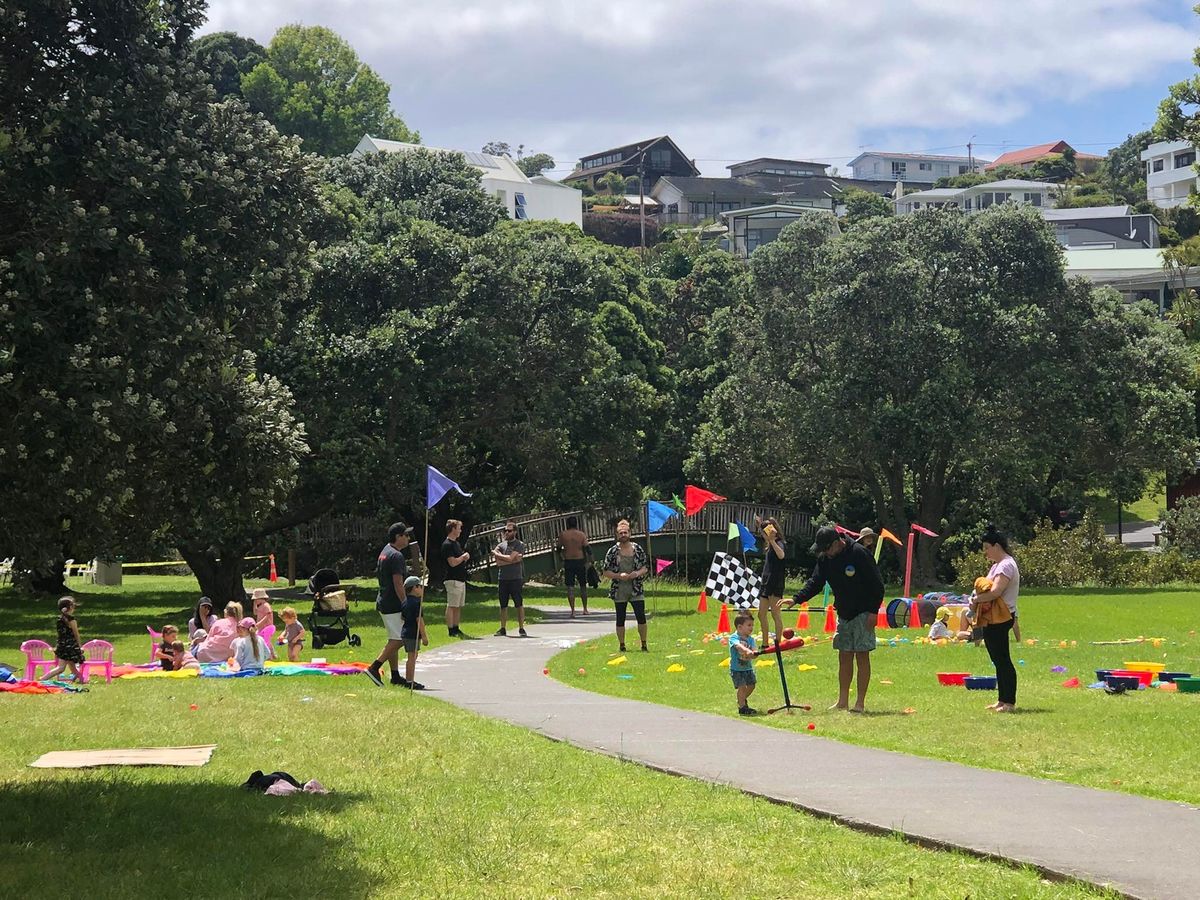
(175, 562)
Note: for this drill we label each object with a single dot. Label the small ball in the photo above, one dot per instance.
(582, 670)
(789, 633)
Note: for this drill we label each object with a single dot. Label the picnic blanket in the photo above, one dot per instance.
(135, 756)
(220, 670)
(39, 687)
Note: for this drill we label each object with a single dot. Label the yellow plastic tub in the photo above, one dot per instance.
(1152, 667)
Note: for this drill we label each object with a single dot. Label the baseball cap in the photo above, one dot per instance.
(398, 528)
(412, 581)
(246, 622)
(826, 535)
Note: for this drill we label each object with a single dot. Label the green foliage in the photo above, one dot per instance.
(862, 205)
(535, 164)
(224, 57)
(614, 183)
(312, 84)
(1181, 527)
(971, 179)
(621, 229)
(150, 238)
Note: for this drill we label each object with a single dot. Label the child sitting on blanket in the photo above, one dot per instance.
(165, 653)
(199, 636)
(250, 651)
(181, 659)
(293, 634)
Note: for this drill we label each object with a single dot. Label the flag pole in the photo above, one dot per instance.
(650, 561)
(912, 536)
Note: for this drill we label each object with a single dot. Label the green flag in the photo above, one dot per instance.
(734, 534)
(678, 503)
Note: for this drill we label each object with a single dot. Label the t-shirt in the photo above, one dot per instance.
(772, 564)
(219, 643)
(854, 578)
(453, 549)
(512, 571)
(293, 631)
(169, 652)
(391, 562)
(1008, 568)
(243, 652)
(736, 663)
(264, 615)
(939, 630)
(411, 612)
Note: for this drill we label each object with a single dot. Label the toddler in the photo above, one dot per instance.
(165, 653)
(181, 658)
(293, 634)
(742, 650)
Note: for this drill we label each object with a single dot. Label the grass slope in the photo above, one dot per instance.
(429, 800)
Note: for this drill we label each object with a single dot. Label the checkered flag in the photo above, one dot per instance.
(732, 581)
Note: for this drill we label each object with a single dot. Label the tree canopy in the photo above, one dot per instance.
(225, 57)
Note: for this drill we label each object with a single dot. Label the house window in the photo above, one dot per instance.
(925, 167)
(1001, 197)
(502, 196)
(699, 208)
(1158, 165)
(1033, 199)
(519, 210)
(899, 169)
(967, 204)
(985, 200)
(1187, 158)
(724, 206)
(962, 170)
(660, 159)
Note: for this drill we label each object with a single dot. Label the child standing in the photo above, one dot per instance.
(412, 630)
(67, 653)
(742, 650)
(166, 650)
(293, 634)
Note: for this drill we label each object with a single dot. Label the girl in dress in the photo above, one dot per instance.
(67, 653)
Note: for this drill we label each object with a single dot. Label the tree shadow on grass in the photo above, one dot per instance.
(121, 835)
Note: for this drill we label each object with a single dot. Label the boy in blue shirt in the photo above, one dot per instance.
(742, 650)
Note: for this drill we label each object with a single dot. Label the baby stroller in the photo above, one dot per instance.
(329, 620)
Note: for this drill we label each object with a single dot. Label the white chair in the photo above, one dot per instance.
(6, 570)
(88, 571)
(67, 566)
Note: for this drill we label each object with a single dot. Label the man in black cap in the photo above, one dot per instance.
(391, 570)
(852, 575)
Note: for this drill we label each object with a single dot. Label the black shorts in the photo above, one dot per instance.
(774, 587)
(575, 572)
(511, 590)
(639, 610)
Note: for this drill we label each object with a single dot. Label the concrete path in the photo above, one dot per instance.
(1136, 535)
(1141, 847)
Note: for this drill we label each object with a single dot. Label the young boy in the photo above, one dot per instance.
(742, 650)
(293, 634)
(413, 630)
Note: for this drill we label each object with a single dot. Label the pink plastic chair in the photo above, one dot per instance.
(99, 655)
(155, 640)
(38, 654)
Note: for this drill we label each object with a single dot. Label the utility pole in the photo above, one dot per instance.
(642, 199)
(971, 156)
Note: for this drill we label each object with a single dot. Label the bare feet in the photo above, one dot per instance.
(857, 709)
(840, 706)
(1006, 708)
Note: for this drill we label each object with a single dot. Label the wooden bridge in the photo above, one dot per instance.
(702, 533)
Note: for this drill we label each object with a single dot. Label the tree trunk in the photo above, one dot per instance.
(219, 573)
(48, 579)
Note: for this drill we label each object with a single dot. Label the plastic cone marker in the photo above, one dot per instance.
(830, 619)
(723, 620)
(703, 607)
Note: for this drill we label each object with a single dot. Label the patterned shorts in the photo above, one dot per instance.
(856, 635)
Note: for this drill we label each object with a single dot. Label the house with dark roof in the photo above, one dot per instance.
(768, 165)
(1027, 156)
(920, 169)
(654, 157)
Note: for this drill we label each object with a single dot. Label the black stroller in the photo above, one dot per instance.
(329, 620)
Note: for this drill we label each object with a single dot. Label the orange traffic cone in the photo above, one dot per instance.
(830, 619)
(914, 614)
(703, 607)
(882, 620)
(274, 576)
(723, 621)
(802, 618)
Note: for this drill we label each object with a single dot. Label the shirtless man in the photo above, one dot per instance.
(573, 544)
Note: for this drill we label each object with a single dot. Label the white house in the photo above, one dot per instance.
(537, 198)
(748, 229)
(922, 168)
(981, 196)
(1170, 173)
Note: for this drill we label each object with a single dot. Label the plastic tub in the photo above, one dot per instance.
(1171, 676)
(1190, 685)
(1129, 681)
(1142, 677)
(952, 678)
(1152, 667)
(1101, 674)
(980, 682)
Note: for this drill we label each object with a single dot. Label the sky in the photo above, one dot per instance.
(800, 79)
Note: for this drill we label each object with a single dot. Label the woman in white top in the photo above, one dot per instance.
(1006, 585)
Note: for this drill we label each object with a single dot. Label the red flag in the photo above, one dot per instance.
(921, 529)
(695, 498)
(845, 531)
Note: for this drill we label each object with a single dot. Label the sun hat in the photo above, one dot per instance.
(942, 613)
(260, 594)
(868, 531)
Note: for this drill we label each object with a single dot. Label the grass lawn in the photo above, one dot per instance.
(1148, 508)
(428, 800)
(1141, 743)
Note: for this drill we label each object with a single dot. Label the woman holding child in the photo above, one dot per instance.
(218, 646)
(997, 607)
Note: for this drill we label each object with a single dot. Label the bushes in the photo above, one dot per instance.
(620, 229)
(1084, 556)
(1181, 527)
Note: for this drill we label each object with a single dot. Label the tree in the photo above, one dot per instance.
(614, 183)
(862, 205)
(313, 84)
(535, 164)
(902, 398)
(497, 148)
(1179, 112)
(225, 57)
(150, 237)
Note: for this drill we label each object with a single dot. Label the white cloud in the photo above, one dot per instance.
(805, 78)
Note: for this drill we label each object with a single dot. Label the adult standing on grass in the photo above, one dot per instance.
(1006, 585)
(509, 556)
(772, 577)
(573, 542)
(456, 576)
(391, 570)
(625, 565)
(851, 573)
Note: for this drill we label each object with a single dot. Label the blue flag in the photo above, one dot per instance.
(658, 513)
(749, 544)
(438, 486)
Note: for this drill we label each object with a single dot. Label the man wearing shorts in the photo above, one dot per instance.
(508, 557)
(456, 576)
(391, 570)
(851, 573)
(574, 545)
(625, 565)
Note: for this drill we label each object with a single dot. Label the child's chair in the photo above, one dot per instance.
(38, 654)
(155, 640)
(97, 654)
(266, 634)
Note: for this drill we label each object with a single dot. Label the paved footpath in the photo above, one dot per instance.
(1139, 846)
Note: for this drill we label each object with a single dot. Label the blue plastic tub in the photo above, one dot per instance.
(1101, 674)
(980, 683)
(1171, 676)
(1129, 682)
